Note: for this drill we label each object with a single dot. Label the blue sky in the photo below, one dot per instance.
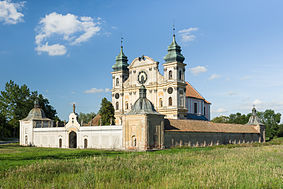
(64, 48)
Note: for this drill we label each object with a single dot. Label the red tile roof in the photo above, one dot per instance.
(193, 93)
(206, 126)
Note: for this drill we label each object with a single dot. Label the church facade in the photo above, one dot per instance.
(170, 94)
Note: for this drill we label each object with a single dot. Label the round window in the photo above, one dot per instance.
(117, 95)
(170, 90)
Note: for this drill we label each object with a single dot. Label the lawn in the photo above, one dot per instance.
(231, 166)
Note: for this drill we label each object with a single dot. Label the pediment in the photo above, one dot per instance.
(141, 62)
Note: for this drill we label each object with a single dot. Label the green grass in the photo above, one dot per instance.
(230, 166)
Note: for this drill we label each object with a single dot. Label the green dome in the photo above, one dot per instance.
(36, 113)
(121, 61)
(174, 53)
(142, 105)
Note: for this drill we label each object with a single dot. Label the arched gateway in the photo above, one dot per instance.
(72, 139)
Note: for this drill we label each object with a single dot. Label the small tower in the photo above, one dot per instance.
(143, 125)
(119, 75)
(255, 121)
(174, 74)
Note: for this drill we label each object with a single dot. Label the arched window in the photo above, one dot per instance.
(26, 140)
(204, 111)
(170, 101)
(134, 141)
(195, 108)
(117, 105)
(117, 81)
(180, 75)
(170, 74)
(85, 143)
(160, 102)
(127, 105)
(60, 142)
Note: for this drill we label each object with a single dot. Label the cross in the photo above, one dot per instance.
(122, 41)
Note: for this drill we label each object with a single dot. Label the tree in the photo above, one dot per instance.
(16, 102)
(220, 119)
(86, 117)
(106, 112)
(239, 118)
(271, 121)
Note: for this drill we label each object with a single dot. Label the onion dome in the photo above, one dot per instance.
(174, 52)
(142, 105)
(121, 61)
(254, 119)
(36, 113)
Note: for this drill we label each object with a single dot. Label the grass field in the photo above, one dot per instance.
(231, 166)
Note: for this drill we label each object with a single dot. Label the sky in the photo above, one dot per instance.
(65, 49)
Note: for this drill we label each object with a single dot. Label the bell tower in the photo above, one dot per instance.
(174, 75)
(119, 75)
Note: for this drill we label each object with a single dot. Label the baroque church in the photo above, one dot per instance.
(152, 112)
(170, 94)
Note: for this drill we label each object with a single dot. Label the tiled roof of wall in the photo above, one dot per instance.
(206, 126)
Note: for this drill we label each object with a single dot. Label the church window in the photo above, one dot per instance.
(180, 75)
(26, 139)
(127, 106)
(160, 102)
(72, 120)
(195, 108)
(117, 105)
(85, 143)
(134, 141)
(60, 143)
(117, 81)
(170, 74)
(170, 101)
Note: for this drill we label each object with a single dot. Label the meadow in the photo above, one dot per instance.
(229, 166)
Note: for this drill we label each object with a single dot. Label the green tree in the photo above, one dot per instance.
(239, 118)
(16, 102)
(271, 121)
(220, 119)
(106, 112)
(86, 117)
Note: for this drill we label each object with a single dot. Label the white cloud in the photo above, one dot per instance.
(186, 35)
(220, 110)
(257, 102)
(95, 90)
(9, 12)
(52, 50)
(68, 28)
(198, 69)
(214, 76)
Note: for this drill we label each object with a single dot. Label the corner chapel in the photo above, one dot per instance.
(170, 94)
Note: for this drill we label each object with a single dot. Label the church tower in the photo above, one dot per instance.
(119, 75)
(174, 75)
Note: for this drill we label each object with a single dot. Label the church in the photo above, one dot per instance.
(152, 112)
(170, 94)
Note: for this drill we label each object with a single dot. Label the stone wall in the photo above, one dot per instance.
(187, 138)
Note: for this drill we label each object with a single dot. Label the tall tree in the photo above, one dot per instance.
(106, 112)
(86, 117)
(16, 102)
(271, 121)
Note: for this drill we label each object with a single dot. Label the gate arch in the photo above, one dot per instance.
(72, 139)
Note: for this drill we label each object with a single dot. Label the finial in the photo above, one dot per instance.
(173, 30)
(122, 42)
(74, 108)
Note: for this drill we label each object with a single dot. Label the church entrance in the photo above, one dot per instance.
(72, 139)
